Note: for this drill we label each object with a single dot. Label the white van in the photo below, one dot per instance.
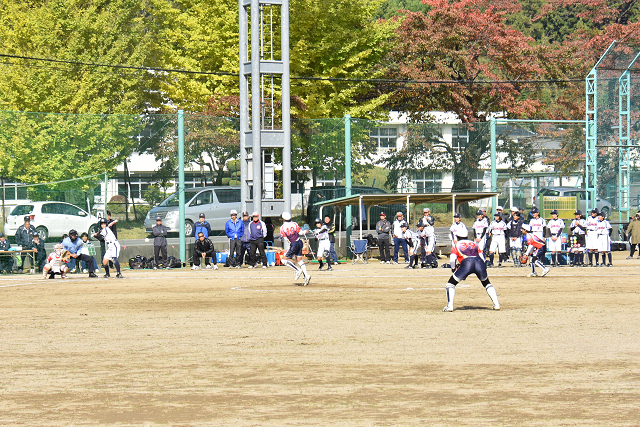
(214, 202)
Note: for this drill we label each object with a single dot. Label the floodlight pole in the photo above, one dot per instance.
(624, 141)
(494, 171)
(181, 213)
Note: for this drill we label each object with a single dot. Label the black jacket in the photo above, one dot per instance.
(331, 229)
(40, 247)
(203, 247)
(24, 236)
(160, 234)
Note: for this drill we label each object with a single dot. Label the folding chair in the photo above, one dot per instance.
(359, 250)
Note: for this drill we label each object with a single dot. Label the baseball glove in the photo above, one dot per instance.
(66, 255)
(524, 259)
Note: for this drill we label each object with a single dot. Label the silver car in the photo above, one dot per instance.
(602, 204)
(214, 202)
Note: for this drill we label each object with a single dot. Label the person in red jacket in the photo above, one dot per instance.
(536, 248)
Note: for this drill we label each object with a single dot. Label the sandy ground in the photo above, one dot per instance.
(362, 345)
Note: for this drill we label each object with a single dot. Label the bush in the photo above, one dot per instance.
(153, 196)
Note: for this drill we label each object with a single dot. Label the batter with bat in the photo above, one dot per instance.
(112, 248)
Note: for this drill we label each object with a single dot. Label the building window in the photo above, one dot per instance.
(427, 182)
(329, 178)
(139, 184)
(385, 138)
(459, 137)
(477, 181)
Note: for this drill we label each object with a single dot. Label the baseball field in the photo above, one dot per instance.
(362, 345)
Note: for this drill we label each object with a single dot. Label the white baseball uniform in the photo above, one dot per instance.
(498, 238)
(556, 227)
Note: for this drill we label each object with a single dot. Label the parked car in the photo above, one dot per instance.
(214, 202)
(602, 204)
(51, 219)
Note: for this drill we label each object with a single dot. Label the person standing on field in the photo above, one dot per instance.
(159, 244)
(234, 229)
(633, 230)
(383, 227)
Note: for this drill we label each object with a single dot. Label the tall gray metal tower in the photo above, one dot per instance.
(264, 73)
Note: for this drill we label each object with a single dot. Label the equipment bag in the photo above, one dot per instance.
(173, 262)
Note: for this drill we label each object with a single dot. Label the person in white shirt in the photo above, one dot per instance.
(480, 229)
(554, 245)
(538, 225)
(497, 231)
(413, 242)
(592, 237)
(321, 233)
(578, 240)
(398, 241)
(604, 230)
(457, 231)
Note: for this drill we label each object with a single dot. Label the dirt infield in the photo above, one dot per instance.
(362, 345)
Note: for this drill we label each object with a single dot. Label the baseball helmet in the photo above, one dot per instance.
(106, 221)
(578, 212)
(27, 218)
(462, 234)
(73, 232)
(479, 212)
(554, 212)
(535, 210)
(526, 227)
(457, 215)
(286, 216)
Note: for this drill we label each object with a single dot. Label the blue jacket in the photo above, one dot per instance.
(258, 230)
(203, 227)
(234, 230)
(71, 246)
(247, 232)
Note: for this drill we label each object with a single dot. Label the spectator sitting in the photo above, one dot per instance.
(74, 246)
(202, 226)
(245, 239)
(89, 250)
(40, 254)
(159, 244)
(203, 249)
(6, 261)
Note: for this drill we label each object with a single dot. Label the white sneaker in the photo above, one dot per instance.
(251, 266)
(307, 279)
(264, 266)
(447, 309)
(208, 267)
(85, 271)
(496, 307)
(195, 267)
(545, 271)
(215, 266)
(533, 274)
(382, 262)
(298, 273)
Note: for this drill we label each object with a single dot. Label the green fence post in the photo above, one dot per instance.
(104, 194)
(181, 218)
(494, 172)
(347, 173)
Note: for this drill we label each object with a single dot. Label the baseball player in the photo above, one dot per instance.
(468, 260)
(480, 229)
(291, 231)
(578, 241)
(556, 227)
(324, 244)
(457, 229)
(604, 231)
(538, 225)
(497, 230)
(428, 235)
(535, 249)
(592, 237)
(515, 237)
(413, 243)
(55, 264)
(112, 248)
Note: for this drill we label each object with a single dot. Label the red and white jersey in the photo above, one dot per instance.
(55, 261)
(535, 241)
(537, 226)
(592, 224)
(290, 230)
(497, 228)
(603, 227)
(465, 249)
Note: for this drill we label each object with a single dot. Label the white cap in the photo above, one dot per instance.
(399, 213)
(234, 212)
(286, 216)
(500, 207)
(463, 232)
(426, 210)
(514, 209)
(526, 227)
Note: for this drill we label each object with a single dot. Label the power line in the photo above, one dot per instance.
(304, 78)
